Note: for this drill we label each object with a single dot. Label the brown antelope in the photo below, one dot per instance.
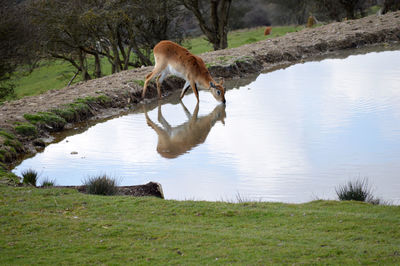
(174, 141)
(267, 30)
(171, 58)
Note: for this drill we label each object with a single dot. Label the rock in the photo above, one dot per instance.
(150, 189)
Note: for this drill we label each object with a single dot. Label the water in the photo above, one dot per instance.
(292, 135)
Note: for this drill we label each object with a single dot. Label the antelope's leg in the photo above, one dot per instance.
(159, 82)
(157, 69)
(185, 88)
(195, 90)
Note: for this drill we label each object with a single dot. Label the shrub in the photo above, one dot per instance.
(7, 92)
(357, 190)
(101, 185)
(30, 177)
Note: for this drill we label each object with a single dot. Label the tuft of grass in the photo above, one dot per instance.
(29, 176)
(140, 82)
(47, 120)
(48, 183)
(6, 134)
(6, 177)
(26, 129)
(81, 108)
(358, 190)
(101, 185)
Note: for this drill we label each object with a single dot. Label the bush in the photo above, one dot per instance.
(6, 92)
(101, 185)
(30, 177)
(357, 190)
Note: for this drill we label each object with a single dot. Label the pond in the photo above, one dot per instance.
(291, 135)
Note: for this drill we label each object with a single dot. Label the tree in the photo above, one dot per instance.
(217, 13)
(390, 5)
(103, 28)
(293, 11)
(15, 44)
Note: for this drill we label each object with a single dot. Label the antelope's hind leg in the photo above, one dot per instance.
(159, 81)
(157, 69)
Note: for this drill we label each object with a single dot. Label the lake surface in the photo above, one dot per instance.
(291, 135)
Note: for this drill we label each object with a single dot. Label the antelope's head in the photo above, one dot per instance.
(218, 90)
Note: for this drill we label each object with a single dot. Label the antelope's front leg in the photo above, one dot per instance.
(184, 89)
(194, 87)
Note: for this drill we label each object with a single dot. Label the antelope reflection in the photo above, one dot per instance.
(174, 141)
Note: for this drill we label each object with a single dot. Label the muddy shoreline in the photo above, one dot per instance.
(115, 94)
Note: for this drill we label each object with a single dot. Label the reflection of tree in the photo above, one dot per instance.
(174, 141)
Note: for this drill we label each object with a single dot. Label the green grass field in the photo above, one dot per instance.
(63, 226)
(56, 74)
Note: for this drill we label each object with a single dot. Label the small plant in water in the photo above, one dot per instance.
(29, 176)
(357, 190)
(101, 185)
(48, 183)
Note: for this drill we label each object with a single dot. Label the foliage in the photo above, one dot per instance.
(29, 176)
(101, 185)
(390, 5)
(87, 229)
(111, 29)
(6, 91)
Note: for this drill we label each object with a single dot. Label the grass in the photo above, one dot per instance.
(56, 74)
(358, 190)
(61, 226)
(26, 129)
(48, 120)
(48, 183)
(101, 185)
(29, 176)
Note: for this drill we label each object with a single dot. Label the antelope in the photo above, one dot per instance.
(267, 30)
(171, 58)
(174, 141)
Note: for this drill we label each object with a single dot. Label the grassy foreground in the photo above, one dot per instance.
(62, 226)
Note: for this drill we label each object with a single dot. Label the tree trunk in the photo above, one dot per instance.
(216, 30)
(97, 66)
(82, 63)
(142, 58)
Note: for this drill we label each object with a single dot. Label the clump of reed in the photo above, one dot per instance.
(101, 185)
(48, 182)
(357, 190)
(30, 176)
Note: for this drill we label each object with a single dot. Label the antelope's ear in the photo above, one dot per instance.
(221, 81)
(212, 85)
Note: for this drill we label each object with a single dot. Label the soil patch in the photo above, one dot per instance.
(57, 109)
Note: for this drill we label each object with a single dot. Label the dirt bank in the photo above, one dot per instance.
(112, 94)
